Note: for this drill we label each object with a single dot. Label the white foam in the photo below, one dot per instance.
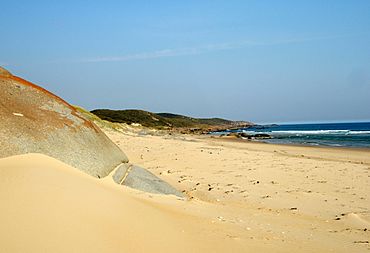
(307, 132)
(359, 132)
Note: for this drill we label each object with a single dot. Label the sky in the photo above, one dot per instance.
(260, 61)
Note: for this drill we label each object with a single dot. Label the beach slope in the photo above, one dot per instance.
(48, 206)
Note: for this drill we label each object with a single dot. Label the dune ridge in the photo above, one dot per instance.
(60, 209)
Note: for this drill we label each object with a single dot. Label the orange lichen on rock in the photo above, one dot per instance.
(34, 86)
(35, 120)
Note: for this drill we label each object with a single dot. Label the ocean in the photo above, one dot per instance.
(326, 134)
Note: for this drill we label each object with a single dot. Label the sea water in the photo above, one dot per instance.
(324, 134)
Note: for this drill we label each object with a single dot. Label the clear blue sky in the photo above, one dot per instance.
(263, 61)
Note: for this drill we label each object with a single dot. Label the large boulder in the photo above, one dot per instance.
(34, 120)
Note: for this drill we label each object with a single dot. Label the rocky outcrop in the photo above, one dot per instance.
(34, 120)
(249, 136)
(141, 179)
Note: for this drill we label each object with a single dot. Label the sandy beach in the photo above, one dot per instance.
(289, 198)
(185, 127)
(241, 197)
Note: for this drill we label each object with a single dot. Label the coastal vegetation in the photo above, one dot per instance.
(167, 120)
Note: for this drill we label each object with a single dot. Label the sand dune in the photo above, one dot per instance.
(47, 206)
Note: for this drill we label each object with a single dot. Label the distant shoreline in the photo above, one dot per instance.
(352, 134)
(264, 142)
